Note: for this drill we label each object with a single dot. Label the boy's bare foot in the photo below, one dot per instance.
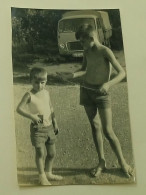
(129, 172)
(43, 181)
(99, 169)
(53, 177)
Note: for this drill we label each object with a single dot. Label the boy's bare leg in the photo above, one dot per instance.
(40, 165)
(106, 119)
(97, 137)
(51, 153)
(40, 159)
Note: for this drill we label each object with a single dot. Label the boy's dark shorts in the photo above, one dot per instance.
(41, 135)
(89, 97)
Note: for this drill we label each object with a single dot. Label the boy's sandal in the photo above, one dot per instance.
(129, 172)
(95, 172)
(44, 182)
(54, 177)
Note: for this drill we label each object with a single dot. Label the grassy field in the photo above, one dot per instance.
(76, 153)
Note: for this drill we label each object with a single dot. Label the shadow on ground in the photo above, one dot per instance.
(72, 176)
(77, 171)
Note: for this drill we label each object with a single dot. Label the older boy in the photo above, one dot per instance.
(43, 124)
(94, 95)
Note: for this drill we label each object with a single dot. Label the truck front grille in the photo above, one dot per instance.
(74, 45)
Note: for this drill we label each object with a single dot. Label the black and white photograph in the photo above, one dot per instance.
(71, 105)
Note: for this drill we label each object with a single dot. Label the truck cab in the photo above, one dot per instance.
(70, 22)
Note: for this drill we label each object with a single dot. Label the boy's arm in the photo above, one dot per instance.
(21, 110)
(77, 73)
(55, 125)
(54, 122)
(82, 70)
(121, 73)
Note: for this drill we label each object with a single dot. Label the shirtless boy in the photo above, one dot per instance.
(94, 95)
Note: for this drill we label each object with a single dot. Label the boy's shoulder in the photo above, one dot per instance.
(42, 92)
(46, 92)
(104, 50)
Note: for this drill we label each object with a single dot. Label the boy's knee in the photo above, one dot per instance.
(96, 123)
(51, 154)
(109, 134)
(39, 152)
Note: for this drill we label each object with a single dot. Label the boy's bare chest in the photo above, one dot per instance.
(96, 60)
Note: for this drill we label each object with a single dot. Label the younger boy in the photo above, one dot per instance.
(43, 124)
(94, 94)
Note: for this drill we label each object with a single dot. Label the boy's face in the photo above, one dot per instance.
(39, 83)
(87, 43)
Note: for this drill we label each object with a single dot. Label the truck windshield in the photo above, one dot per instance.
(71, 25)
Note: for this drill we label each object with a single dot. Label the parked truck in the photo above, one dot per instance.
(70, 22)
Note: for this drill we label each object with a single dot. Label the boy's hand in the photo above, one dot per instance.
(56, 130)
(104, 88)
(36, 119)
(65, 75)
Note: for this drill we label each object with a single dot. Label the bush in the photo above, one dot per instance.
(55, 59)
(116, 40)
(22, 59)
(45, 49)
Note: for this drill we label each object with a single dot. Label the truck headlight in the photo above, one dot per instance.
(62, 45)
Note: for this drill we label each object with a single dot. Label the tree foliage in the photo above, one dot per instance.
(115, 20)
(35, 27)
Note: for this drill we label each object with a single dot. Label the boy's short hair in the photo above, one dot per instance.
(38, 73)
(85, 31)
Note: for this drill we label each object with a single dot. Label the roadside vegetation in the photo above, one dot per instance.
(34, 36)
